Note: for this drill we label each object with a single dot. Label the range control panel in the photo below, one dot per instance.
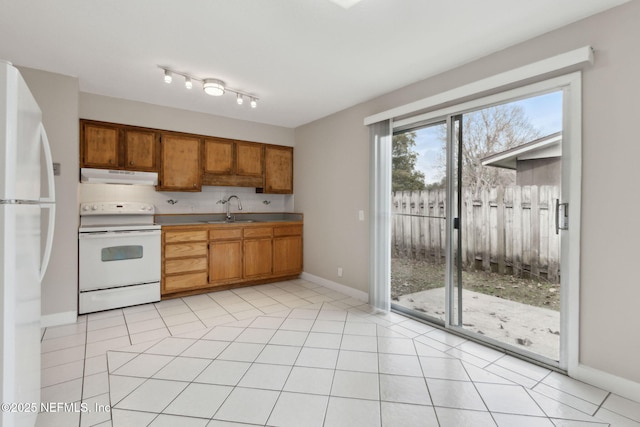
(116, 208)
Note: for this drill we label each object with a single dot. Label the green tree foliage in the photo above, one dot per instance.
(405, 177)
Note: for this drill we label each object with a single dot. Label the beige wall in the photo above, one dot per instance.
(331, 164)
(331, 174)
(57, 96)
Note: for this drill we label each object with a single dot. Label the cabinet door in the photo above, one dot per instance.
(218, 156)
(278, 162)
(100, 147)
(249, 158)
(287, 255)
(257, 257)
(140, 150)
(180, 167)
(225, 261)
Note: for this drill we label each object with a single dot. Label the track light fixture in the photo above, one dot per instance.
(213, 87)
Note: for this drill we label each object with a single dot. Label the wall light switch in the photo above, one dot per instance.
(339, 271)
(56, 169)
(361, 215)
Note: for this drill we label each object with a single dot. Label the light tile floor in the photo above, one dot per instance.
(297, 354)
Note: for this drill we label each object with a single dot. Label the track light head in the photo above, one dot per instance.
(239, 99)
(188, 83)
(254, 103)
(168, 78)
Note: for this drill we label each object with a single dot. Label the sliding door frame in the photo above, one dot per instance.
(571, 86)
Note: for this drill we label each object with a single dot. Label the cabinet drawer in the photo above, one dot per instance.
(185, 250)
(225, 234)
(185, 265)
(185, 236)
(252, 232)
(288, 230)
(184, 281)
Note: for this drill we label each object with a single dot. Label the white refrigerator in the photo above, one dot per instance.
(24, 206)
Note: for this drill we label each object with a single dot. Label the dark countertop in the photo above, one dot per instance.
(219, 218)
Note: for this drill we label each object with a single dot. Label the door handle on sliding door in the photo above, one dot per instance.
(562, 216)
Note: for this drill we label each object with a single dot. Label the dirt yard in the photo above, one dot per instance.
(410, 276)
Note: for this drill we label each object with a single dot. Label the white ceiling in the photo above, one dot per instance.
(304, 59)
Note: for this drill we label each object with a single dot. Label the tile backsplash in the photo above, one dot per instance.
(206, 201)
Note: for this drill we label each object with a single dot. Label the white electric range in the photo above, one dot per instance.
(119, 255)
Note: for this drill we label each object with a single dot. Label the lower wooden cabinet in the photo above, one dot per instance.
(287, 249)
(257, 258)
(184, 260)
(224, 255)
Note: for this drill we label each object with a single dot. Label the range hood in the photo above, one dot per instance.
(108, 176)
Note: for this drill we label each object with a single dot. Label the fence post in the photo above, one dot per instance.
(535, 231)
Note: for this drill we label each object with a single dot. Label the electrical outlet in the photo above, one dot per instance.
(339, 271)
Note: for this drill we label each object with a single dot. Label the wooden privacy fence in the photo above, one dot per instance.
(510, 230)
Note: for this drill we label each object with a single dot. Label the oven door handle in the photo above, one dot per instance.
(110, 234)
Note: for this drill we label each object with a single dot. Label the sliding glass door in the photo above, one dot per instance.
(508, 250)
(418, 215)
(477, 221)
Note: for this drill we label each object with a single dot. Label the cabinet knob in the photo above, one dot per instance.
(110, 161)
(131, 163)
(194, 186)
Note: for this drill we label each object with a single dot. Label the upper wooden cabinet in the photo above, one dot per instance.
(113, 146)
(278, 173)
(233, 163)
(184, 161)
(99, 145)
(140, 150)
(180, 163)
(219, 156)
(249, 159)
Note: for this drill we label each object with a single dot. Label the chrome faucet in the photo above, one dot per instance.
(228, 203)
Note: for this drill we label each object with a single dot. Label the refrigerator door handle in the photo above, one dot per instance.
(48, 202)
(49, 244)
(46, 148)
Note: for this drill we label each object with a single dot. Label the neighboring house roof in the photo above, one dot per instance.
(545, 147)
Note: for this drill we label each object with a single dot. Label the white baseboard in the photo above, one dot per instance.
(57, 319)
(613, 383)
(354, 293)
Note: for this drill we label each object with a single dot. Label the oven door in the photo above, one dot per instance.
(118, 258)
